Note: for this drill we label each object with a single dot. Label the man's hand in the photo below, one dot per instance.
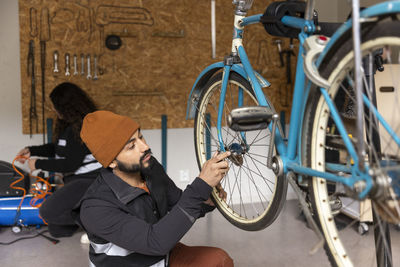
(23, 153)
(221, 194)
(31, 164)
(215, 169)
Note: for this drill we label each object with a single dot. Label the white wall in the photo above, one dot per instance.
(181, 160)
(327, 10)
(344, 7)
(338, 10)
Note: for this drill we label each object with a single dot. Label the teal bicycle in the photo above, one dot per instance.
(343, 145)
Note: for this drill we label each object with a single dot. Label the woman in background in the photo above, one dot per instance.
(68, 155)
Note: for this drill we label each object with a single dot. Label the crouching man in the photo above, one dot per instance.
(133, 213)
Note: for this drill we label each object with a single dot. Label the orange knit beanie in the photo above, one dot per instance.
(106, 133)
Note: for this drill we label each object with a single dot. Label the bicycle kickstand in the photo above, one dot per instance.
(291, 179)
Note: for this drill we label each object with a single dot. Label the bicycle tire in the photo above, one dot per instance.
(318, 147)
(252, 170)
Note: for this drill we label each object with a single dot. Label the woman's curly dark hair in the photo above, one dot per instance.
(72, 104)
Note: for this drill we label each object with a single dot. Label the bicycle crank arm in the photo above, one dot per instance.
(250, 118)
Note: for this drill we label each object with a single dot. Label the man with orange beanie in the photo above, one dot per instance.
(133, 213)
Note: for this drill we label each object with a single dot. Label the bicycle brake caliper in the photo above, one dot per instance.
(313, 46)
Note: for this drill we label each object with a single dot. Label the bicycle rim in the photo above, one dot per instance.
(336, 208)
(254, 193)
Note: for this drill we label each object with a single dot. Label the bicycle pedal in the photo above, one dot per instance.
(250, 118)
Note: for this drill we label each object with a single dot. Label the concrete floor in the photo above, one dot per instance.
(286, 242)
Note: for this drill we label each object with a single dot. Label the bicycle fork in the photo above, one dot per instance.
(225, 79)
(245, 119)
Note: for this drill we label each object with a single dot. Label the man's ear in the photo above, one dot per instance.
(113, 164)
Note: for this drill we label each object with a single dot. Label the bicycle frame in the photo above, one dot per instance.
(290, 151)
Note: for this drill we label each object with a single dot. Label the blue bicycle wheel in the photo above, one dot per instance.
(254, 194)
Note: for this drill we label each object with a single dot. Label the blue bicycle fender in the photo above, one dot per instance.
(203, 78)
(384, 8)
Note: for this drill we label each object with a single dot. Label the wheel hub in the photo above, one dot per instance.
(237, 152)
(386, 193)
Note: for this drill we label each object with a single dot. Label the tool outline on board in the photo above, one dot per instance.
(33, 27)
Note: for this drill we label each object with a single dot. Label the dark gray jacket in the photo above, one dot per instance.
(129, 227)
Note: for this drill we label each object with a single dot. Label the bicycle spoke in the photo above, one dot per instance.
(258, 155)
(383, 234)
(255, 173)
(261, 138)
(241, 203)
(265, 180)
(254, 183)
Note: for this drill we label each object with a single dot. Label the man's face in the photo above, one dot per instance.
(134, 156)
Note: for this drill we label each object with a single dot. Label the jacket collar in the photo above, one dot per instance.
(122, 190)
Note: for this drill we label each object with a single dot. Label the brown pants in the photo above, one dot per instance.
(185, 256)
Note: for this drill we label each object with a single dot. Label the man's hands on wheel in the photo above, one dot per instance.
(215, 169)
(221, 194)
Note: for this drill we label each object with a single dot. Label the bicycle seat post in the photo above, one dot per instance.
(242, 6)
(309, 14)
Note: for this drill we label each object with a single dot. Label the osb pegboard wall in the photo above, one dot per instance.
(165, 45)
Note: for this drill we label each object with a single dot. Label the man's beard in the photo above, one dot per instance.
(134, 168)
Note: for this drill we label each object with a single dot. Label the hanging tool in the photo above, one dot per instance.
(278, 43)
(44, 37)
(33, 27)
(95, 68)
(67, 73)
(31, 72)
(82, 64)
(55, 62)
(89, 76)
(113, 42)
(75, 65)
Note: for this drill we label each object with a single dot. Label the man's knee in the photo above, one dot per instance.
(199, 256)
(222, 258)
(45, 211)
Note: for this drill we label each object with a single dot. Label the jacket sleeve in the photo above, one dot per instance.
(75, 152)
(47, 150)
(174, 193)
(110, 223)
(205, 209)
